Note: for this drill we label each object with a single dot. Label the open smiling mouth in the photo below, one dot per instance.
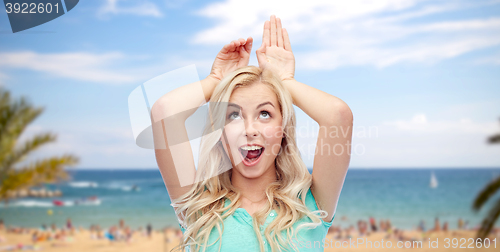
(251, 157)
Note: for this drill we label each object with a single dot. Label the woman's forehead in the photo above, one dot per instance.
(253, 94)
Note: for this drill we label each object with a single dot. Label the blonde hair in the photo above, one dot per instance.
(202, 208)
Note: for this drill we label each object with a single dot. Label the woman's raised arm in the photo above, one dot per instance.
(334, 117)
(170, 112)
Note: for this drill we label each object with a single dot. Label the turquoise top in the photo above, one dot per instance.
(239, 235)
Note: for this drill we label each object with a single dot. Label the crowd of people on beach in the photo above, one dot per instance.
(62, 236)
(365, 228)
(57, 236)
(123, 233)
(119, 233)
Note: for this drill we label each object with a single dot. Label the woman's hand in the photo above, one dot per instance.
(232, 56)
(275, 52)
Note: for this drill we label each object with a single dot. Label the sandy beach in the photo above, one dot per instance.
(86, 240)
(79, 239)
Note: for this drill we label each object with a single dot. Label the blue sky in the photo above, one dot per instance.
(421, 77)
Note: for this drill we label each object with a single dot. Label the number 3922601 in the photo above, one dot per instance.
(31, 8)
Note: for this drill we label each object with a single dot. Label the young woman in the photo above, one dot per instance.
(251, 190)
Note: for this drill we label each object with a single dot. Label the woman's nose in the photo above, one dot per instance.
(251, 128)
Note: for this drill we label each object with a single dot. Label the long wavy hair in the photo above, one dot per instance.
(202, 208)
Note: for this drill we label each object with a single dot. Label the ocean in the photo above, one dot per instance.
(139, 197)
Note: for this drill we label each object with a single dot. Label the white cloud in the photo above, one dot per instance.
(407, 150)
(114, 68)
(137, 8)
(329, 34)
(96, 147)
(419, 123)
(422, 142)
(417, 141)
(76, 65)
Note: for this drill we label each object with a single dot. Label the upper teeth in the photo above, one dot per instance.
(251, 148)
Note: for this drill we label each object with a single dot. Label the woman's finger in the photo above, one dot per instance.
(261, 57)
(233, 46)
(237, 44)
(230, 46)
(225, 49)
(266, 35)
(273, 30)
(286, 41)
(279, 34)
(242, 51)
(248, 45)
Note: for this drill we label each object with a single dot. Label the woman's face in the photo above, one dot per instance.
(253, 118)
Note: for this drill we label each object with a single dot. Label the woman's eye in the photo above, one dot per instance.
(235, 115)
(231, 115)
(266, 113)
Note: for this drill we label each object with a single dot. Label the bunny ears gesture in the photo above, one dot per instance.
(275, 53)
(275, 35)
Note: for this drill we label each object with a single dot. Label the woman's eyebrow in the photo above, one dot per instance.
(233, 105)
(260, 105)
(264, 103)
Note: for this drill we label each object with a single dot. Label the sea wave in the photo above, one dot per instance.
(29, 203)
(121, 186)
(83, 184)
(95, 202)
(139, 181)
(47, 204)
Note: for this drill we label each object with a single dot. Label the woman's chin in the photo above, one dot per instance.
(249, 171)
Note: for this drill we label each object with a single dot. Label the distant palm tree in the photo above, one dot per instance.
(488, 191)
(15, 115)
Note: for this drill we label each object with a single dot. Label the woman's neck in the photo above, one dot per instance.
(254, 189)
